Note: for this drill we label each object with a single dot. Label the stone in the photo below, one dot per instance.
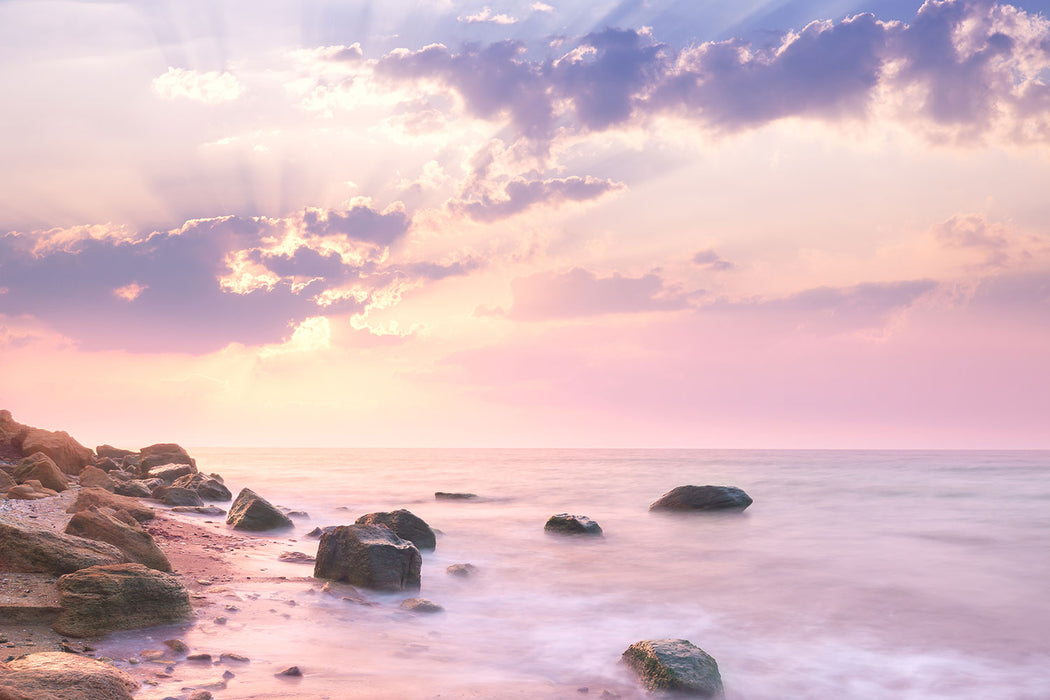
(175, 496)
(100, 497)
(131, 463)
(370, 556)
(290, 671)
(421, 605)
(134, 489)
(57, 675)
(67, 453)
(296, 557)
(122, 531)
(405, 525)
(31, 549)
(114, 453)
(170, 472)
(106, 464)
(103, 599)
(207, 487)
(461, 570)
(163, 453)
(566, 524)
(177, 645)
(6, 481)
(39, 467)
(703, 498)
(450, 496)
(200, 510)
(675, 665)
(31, 490)
(201, 695)
(93, 476)
(249, 511)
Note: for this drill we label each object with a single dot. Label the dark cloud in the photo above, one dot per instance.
(360, 223)
(519, 195)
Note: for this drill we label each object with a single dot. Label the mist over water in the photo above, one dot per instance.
(868, 575)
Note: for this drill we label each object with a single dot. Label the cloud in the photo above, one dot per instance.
(580, 293)
(130, 292)
(712, 260)
(487, 16)
(519, 195)
(541, 7)
(973, 232)
(210, 88)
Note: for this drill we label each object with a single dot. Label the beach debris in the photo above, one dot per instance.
(703, 498)
(102, 599)
(39, 467)
(79, 678)
(292, 671)
(421, 605)
(250, 511)
(461, 570)
(207, 487)
(674, 665)
(405, 525)
(566, 524)
(452, 496)
(119, 529)
(371, 556)
(31, 549)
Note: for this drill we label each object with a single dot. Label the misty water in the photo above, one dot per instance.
(867, 575)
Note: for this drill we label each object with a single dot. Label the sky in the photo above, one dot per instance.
(578, 223)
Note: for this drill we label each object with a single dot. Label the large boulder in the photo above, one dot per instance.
(6, 481)
(405, 525)
(703, 498)
(103, 599)
(122, 531)
(12, 433)
(93, 476)
(106, 464)
(370, 556)
(89, 497)
(207, 487)
(31, 549)
(175, 496)
(566, 524)
(676, 666)
(67, 453)
(250, 511)
(170, 472)
(163, 453)
(31, 490)
(57, 675)
(114, 453)
(134, 489)
(40, 467)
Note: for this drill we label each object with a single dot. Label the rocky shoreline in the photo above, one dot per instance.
(95, 542)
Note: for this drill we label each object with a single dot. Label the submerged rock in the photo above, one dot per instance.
(405, 525)
(675, 665)
(102, 599)
(39, 467)
(703, 498)
(101, 498)
(461, 570)
(370, 556)
(450, 496)
(29, 549)
(421, 605)
(250, 511)
(56, 675)
(122, 531)
(566, 524)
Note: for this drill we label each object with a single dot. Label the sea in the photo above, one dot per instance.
(863, 575)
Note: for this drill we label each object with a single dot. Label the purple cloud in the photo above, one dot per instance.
(519, 195)
(712, 260)
(360, 222)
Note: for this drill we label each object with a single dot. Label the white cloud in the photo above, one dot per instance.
(210, 88)
(486, 15)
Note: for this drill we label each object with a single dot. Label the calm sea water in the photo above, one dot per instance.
(866, 575)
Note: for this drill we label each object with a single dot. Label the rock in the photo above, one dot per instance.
(177, 645)
(122, 531)
(421, 605)
(371, 556)
(67, 453)
(250, 511)
(114, 453)
(201, 695)
(208, 488)
(448, 496)
(170, 472)
(566, 524)
(200, 510)
(56, 675)
(6, 481)
(290, 671)
(131, 463)
(405, 525)
(163, 453)
(199, 657)
(296, 557)
(461, 570)
(31, 490)
(106, 464)
(12, 433)
(93, 476)
(39, 467)
(175, 496)
(134, 489)
(29, 549)
(100, 497)
(675, 665)
(102, 599)
(703, 498)
(316, 532)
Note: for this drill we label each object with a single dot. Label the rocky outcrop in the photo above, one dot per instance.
(56, 675)
(101, 498)
(31, 490)
(175, 496)
(25, 548)
(170, 472)
(250, 511)
(103, 599)
(67, 453)
(114, 453)
(405, 525)
(93, 476)
(122, 531)
(370, 556)
(566, 524)
(38, 466)
(703, 498)
(676, 666)
(207, 487)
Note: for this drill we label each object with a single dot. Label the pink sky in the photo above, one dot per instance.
(585, 224)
